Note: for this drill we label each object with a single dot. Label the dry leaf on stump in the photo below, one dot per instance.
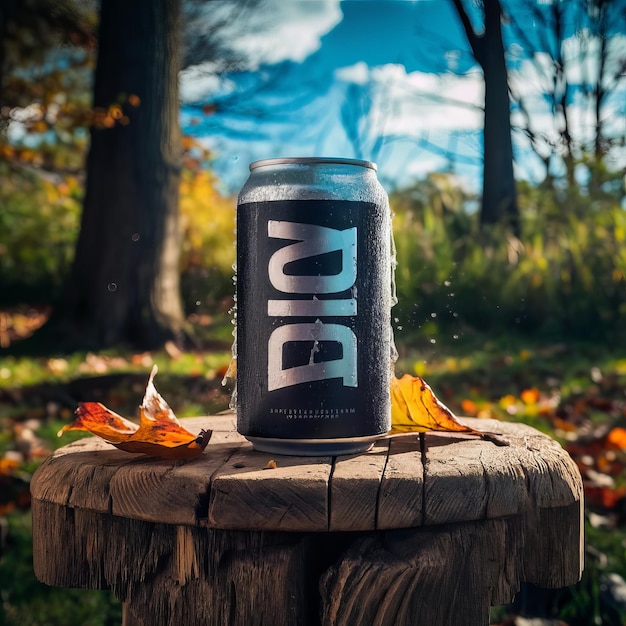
(416, 409)
(158, 434)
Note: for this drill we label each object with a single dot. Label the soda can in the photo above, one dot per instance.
(313, 306)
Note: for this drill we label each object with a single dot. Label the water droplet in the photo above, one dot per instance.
(197, 302)
(399, 327)
(433, 315)
(447, 283)
(112, 287)
(455, 336)
(135, 236)
(396, 320)
(433, 341)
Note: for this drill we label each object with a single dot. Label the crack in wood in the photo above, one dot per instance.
(424, 475)
(329, 493)
(379, 490)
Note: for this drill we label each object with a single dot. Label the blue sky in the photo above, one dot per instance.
(388, 80)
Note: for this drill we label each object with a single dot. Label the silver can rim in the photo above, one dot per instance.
(312, 160)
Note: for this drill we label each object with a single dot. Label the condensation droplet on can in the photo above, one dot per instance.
(112, 287)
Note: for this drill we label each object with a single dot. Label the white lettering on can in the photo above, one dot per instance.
(311, 241)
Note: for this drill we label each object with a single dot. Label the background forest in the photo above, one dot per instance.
(117, 197)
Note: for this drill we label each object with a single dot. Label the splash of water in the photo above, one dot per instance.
(231, 372)
(393, 351)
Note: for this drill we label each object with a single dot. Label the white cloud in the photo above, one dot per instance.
(197, 81)
(287, 30)
(411, 103)
(357, 74)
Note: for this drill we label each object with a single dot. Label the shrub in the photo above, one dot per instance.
(208, 249)
(564, 275)
(39, 223)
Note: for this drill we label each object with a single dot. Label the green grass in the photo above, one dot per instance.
(27, 602)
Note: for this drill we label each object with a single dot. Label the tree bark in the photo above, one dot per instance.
(499, 201)
(124, 283)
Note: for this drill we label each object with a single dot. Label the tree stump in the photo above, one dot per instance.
(429, 528)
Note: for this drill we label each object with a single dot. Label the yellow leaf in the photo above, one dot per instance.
(415, 408)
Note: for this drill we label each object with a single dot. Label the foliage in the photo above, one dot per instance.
(564, 276)
(38, 222)
(208, 250)
(48, 53)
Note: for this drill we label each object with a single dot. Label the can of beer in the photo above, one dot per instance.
(313, 306)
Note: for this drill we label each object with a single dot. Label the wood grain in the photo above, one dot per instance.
(354, 489)
(442, 525)
(403, 482)
(440, 577)
(401, 494)
(246, 493)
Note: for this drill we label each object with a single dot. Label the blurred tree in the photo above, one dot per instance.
(46, 62)
(124, 282)
(212, 27)
(499, 203)
(575, 53)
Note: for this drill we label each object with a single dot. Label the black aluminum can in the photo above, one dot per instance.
(313, 306)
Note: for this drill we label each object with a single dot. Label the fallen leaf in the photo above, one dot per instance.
(416, 409)
(271, 464)
(617, 438)
(158, 434)
(98, 420)
(530, 396)
(469, 407)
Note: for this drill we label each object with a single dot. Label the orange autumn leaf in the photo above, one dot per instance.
(617, 438)
(530, 396)
(98, 420)
(469, 407)
(158, 434)
(415, 408)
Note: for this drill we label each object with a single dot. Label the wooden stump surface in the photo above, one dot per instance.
(443, 526)
(408, 481)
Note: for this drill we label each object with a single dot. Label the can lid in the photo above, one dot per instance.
(312, 161)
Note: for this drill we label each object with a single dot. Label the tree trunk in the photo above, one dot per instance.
(499, 202)
(124, 283)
